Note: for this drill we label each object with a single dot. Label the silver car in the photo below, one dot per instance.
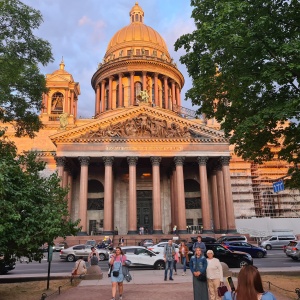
(74, 252)
(293, 250)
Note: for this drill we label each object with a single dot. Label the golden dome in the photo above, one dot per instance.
(137, 34)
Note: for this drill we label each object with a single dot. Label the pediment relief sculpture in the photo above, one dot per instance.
(142, 126)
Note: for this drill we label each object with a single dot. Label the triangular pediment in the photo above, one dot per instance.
(138, 124)
(60, 77)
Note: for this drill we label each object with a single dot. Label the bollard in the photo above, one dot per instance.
(44, 296)
(297, 291)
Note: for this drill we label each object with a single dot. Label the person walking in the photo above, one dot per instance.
(80, 267)
(184, 256)
(199, 244)
(214, 274)
(117, 261)
(169, 253)
(198, 266)
(249, 286)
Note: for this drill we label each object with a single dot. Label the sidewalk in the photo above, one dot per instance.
(145, 284)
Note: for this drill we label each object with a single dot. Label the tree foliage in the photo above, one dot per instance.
(33, 208)
(244, 60)
(21, 84)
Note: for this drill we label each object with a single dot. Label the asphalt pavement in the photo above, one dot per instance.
(145, 284)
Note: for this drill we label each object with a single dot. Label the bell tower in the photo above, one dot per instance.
(62, 97)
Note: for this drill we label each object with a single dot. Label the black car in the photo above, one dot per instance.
(6, 266)
(204, 239)
(234, 259)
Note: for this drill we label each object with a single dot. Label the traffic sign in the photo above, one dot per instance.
(278, 186)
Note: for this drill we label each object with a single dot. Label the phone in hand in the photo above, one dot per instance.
(231, 284)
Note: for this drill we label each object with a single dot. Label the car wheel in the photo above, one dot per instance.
(159, 265)
(70, 258)
(260, 254)
(243, 263)
(102, 256)
(294, 258)
(268, 247)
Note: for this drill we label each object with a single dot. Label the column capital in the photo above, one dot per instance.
(179, 160)
(202, 160)
(155, 160)
(84, 160)
(132, 73)
(224, 160)
(121, 74)
(108, 160)
(132, 160)
(103, 81)
(60, 161)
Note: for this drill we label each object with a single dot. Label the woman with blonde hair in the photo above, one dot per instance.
(249, 286)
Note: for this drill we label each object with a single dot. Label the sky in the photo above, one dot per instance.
(80, 30)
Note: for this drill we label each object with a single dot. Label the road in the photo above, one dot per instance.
(274, 259)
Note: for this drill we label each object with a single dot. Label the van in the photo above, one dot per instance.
(276, 241)
(231, 238)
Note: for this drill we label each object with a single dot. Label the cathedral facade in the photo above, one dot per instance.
(143, 160)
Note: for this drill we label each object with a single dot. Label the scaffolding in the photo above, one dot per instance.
(252, 189)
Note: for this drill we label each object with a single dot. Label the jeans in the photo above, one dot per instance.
(183, 259)
(169, 265)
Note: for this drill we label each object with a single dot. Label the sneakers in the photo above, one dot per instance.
(165, 279)
(183, 274)
(171, 279)
(120, 298)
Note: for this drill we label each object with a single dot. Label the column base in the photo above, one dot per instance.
(108, 232)
(82, 233)
(131, 232)
(223, 231)
(231, 231)
(207, 231)
(157, 232)
(181, 231)
(217, 231)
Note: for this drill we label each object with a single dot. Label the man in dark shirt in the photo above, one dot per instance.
(199, 244)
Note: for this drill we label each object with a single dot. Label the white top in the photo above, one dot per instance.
(214, 269)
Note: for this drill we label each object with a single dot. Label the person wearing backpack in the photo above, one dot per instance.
(169, 254)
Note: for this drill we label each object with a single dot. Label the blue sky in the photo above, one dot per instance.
(80, 30)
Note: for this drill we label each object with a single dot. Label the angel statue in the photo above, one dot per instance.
(63, 120)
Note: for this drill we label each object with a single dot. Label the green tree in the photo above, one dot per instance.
(244, 61)
(21, 84)
(33, 208)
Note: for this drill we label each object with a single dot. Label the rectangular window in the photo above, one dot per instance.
(146, 52)
(138, 51)
(189, 222)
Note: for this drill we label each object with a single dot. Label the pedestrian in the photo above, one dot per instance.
(121, 241)
(184, 256)
(94, 260)
(80, 267)
(198, 265)
(169, 253)
(94, 251)
(176, 260)
(175, 229)
(249, 286)
(117, 261)
(199, 244)
(214, 273)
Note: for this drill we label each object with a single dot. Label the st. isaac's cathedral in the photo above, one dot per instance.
(144, 160)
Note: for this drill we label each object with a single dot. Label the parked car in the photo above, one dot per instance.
(276, 241)
(160, 247)
(231, 238)
(74, 252)
(254, 251)
(143, 257)
(234, 259)
(146, 242)
(60, 246)
(204, 239)
(293, 250)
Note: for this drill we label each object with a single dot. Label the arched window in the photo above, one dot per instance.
(57, 103)
(136, 17)
(137, 89)
(118, 102)
(132, 18)
(95, 199)
(106, 99)
(153, 94)
(192, 188)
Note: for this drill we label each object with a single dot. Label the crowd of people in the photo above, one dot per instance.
(207, 272)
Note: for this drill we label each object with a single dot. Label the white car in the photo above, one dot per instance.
(160, 247)
(143, 257)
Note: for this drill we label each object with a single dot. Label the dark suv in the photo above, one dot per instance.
(234, 259)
